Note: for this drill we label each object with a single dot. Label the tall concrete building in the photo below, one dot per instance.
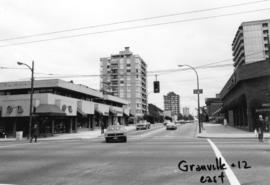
(172, 103)
(185, 111)
(125, 75)
(246, 94)
(251, 42)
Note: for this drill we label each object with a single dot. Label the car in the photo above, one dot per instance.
(171, 126)
(115, 133)
(2, 132)
(166, 122)
(143, 125)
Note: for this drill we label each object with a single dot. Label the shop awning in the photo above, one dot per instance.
(79, 110)
(102, 109)
(126, 111)
(47, 109)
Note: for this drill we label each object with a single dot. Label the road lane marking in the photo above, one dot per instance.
(6, 146)
(228, 171)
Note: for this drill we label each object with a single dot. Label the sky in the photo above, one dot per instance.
(196, 38)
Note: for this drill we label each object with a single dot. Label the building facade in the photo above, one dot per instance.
(247, 93)
(58, 106)
(251, 42)
(213, 109)
(185, 111)
(172, 103)
(125, 75)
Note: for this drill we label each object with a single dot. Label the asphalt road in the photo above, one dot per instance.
(149, 157)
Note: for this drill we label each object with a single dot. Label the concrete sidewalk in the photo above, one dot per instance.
(69, 136)
(212, 130)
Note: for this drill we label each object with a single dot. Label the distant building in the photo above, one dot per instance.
(186, 111)
(125, 75)
(172, 103)
(247, 93)
(155, 113)
(251, 42)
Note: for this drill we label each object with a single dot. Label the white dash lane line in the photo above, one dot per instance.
(7, 146)
(228, 171)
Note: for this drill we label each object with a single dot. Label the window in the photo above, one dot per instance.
(128, 70)
(264, 25)
(128, 65)
(265, 31)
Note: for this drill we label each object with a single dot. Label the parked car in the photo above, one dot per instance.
(2, 132)
(171, 126)
(143, 125)
(116, 133)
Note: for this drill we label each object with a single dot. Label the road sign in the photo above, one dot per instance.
(195, 91)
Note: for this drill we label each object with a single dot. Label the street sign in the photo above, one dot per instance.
(195, 91)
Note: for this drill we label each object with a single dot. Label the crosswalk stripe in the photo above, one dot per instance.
(228, 171)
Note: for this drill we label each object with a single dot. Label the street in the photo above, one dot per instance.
(149, 157)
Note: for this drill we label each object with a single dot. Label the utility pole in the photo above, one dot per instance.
(198, 93)
(31, 95)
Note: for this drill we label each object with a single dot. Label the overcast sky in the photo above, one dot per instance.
(196, 42)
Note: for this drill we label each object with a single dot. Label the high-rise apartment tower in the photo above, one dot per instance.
(125, 75)
(251, 42)
(172, 103)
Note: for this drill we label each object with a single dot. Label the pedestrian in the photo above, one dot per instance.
(261, 128)
(34, 133)
(225, 122)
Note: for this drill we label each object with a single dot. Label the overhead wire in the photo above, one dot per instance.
(132, 20)
(133, 27)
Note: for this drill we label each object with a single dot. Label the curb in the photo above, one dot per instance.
(229, 137)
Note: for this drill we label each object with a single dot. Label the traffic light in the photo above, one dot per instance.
(156, 87)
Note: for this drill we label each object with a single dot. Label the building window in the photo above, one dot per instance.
(128, 70)
(128, 65)
(264, 25)
(265, 31)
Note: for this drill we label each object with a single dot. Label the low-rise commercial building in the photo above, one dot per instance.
(213, 109)
(58, 106)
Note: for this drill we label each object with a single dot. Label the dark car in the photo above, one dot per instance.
(116, 133)
(2, 132)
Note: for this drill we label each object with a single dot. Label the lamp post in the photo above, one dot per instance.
(31, 94)
(198, 92)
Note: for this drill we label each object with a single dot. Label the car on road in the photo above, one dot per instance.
(171, 126)
(166, 121)
(143, 125)
(116, 133)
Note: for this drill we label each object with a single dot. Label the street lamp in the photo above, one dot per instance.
(198, 92)
(31, 93)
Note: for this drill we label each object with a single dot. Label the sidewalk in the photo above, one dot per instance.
(69, 136)
(212, 130)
